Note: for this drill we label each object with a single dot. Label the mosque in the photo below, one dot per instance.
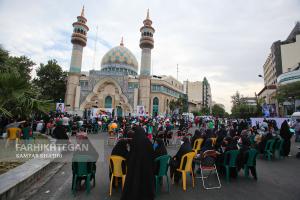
(122, 84)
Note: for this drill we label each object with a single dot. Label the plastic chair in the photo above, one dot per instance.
(278, 150)
(211, 168)
(251, 162)
(231, 163)
(80, 170)
(13, 133)
(187, 168)
(116, 170)
(269, 149)
(252, 141)
(197, 145)
(163, 170)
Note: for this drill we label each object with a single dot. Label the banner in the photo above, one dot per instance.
(269, 110)
(260, 120)
(60, 107)
(140, 110)
(97, 112)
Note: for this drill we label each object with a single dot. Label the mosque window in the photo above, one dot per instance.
(155, 106)
(108, 102)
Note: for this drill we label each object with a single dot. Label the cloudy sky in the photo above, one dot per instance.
(225, 40)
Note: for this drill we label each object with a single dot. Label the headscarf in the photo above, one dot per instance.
(231, 144)
(139, 183)
(207, 145)
(196, 136)
(285, 131)
(120, 149)
(160, 148)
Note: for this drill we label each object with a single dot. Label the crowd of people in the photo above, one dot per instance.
(143, 139)
(140, 150)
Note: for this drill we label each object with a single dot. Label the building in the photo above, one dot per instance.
(118, 85)
(280, 66)
(250, 101)
(283, 57)
(290, 50)
(199, 94)
(193, 90)
(206, 94)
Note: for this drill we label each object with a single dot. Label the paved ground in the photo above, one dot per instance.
(277, 180)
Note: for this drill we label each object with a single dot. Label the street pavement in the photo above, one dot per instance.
(277, 180)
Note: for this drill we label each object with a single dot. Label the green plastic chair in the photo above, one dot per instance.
(231, 163)
(252, 141)
(163, 171)
(251, 162)
(278, 150)
(269, 149)
(82, 171)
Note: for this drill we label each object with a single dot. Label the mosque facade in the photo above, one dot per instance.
(121, 84)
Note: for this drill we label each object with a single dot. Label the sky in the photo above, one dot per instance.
(226, 41)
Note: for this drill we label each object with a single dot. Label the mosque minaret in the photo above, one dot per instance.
(120, 85)
(79, 39)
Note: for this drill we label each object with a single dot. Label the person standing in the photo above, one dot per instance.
(286, 136)
(139, 183)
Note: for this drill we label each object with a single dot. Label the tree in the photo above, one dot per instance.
(51, 80)
(18, 97)
(217, 110)
(205, 111)
(172, 105)
(181, 104)
(22, 65)
(237, 99)
(240, 109)
(288, 91)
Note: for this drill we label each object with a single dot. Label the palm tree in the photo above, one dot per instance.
(17, 97)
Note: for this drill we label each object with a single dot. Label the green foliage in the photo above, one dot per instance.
(181, 103)
(18, 97)
(51, 80)
(197, 113)
(205, 111)
(240, 109)
(217, 110)
(287, 91)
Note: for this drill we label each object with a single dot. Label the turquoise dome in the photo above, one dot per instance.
(120, 59)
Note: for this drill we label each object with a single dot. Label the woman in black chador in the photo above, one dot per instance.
(139, 183)
(286, 136)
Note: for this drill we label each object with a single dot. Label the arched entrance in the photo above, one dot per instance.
(108, 93)
(108, 102)
(155, 106)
